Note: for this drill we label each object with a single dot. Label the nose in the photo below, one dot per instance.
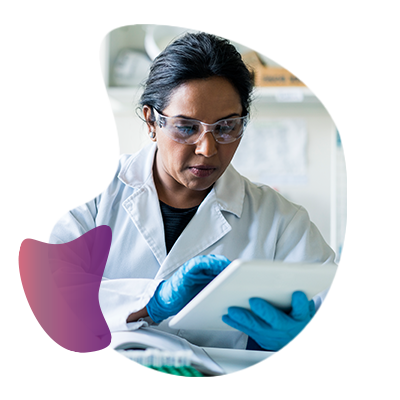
(206, 146)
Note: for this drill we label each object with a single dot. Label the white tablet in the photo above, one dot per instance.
(273, 281)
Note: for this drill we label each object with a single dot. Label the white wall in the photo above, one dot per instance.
(84, 122)
(315, 193)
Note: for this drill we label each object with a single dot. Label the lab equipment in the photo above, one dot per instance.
(162, 350)
(271, 328)
(130, 68)
(174, 293)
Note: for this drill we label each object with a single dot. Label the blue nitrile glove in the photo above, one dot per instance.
(174, 293)
(271, 328)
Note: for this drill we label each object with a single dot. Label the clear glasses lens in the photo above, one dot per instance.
(189, 131)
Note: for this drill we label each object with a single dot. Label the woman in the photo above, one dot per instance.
(179, 211)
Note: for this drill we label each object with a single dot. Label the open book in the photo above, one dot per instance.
(150, 338)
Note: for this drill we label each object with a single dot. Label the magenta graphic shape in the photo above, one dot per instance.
(61, 283)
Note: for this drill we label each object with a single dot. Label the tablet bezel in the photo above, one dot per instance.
(274, 281)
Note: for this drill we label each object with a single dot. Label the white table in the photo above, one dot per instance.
(249, 363)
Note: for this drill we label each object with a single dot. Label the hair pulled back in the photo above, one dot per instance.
(196, 56)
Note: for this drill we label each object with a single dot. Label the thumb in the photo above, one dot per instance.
(301, 309)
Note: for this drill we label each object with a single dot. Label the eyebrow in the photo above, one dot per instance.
(220, 119)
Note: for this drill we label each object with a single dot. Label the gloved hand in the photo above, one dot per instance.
(271, 328)
(174, 293)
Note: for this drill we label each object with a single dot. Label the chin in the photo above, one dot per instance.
(202, 188)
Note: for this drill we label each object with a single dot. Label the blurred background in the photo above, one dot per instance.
(290, 144)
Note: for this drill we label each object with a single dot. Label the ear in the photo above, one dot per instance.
(147, 114)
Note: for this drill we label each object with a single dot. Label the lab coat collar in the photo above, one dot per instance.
(138, 170)
(229, 189)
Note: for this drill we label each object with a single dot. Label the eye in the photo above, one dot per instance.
(226, 126)
(185, 127)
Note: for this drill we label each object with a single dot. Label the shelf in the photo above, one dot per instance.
(312, 45)
(284, 94)
(123, 97)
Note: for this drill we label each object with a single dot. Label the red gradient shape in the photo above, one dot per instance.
(61, 283)
(31, 338)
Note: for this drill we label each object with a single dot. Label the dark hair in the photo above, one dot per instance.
(196, 56)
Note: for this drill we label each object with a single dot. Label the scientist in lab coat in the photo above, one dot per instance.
(179, 212)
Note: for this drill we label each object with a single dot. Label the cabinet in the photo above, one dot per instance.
(313, 45)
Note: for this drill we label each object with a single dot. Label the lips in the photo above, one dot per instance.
(202, 171)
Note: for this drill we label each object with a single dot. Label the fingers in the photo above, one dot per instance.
(233, 323)
(211, 264)
(262, 316)
(245, 321)
(192, 277)
(302, 308)
(275, 318)
(205, 267)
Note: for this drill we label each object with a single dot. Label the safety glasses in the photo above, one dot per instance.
(190, 131)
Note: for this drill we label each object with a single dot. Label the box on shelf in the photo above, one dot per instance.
(252, 59)
(269, 76)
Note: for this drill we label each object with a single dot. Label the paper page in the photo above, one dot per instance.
(273, 151)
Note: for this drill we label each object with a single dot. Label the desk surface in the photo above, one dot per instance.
(246, 363)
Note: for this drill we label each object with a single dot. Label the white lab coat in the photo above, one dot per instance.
(237, 219)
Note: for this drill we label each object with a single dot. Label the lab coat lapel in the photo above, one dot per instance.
(143, 206)
(144, 210)
(209, 223)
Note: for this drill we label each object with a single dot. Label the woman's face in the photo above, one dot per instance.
(191, 170)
